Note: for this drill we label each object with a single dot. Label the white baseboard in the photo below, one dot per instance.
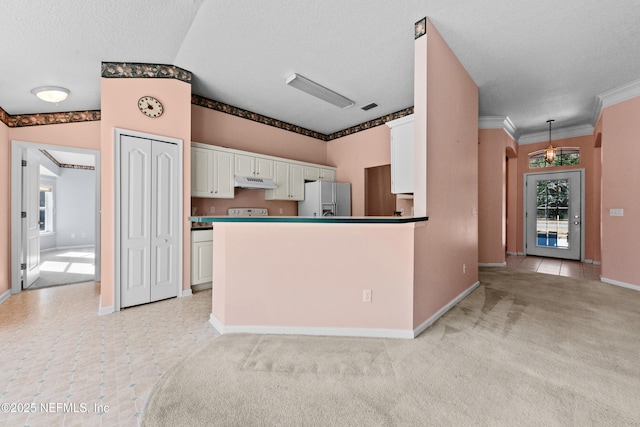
(431, 320)
(104, 310)
(201, 286)
(185, 293)
(338, 332)
(621, 284)
(490, 264)
(301, 330)
(5, 296)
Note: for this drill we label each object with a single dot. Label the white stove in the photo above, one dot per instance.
(248, 212)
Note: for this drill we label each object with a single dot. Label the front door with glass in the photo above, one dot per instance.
(553, 214)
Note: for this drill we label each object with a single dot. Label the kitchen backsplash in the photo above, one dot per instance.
(244, 199)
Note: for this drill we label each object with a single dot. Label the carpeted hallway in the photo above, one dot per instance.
(522, 349)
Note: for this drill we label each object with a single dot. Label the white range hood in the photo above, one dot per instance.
(255, 183)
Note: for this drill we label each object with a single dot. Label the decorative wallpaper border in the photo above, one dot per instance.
(66, 165)
(249, 115)
(23, 120)
(370, 124)
(141, 70)
(245, 114)
(420, 28)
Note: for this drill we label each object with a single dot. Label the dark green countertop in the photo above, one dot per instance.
(311, 220)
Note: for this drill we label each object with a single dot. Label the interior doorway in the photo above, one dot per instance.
(554, 210)
(56, 192)
(378, 199)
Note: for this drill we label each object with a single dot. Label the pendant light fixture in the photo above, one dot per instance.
(550, 152)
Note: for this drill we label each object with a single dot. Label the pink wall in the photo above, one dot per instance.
(313, 275)
(5, 212)
(221, 129)
(77, 135)
(352, 154)
(217, 128)
(621, 190)
(587, 159)
(446, 138)
(119, 110)
(492, 197)
(512, 201)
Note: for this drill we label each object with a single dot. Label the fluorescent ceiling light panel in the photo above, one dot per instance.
(313, 88)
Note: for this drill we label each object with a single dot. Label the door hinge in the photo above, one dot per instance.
(23, 266)
(24, 163)
(23, 214)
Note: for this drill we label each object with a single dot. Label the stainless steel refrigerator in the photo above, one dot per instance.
(324, 198)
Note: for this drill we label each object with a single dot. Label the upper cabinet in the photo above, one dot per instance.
(327, 174)
(314, 173)
(211, 173)
(213, 169)
(289, 177)
(402, 155)
(259, 167)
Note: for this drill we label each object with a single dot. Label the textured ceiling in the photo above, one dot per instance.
(532, 61)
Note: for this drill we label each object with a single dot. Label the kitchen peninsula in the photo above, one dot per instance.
(308, 275)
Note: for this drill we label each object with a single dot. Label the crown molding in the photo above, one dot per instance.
(569, 132)
(499, 122)
(615, 96)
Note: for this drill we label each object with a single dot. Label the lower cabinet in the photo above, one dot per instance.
(201, 259)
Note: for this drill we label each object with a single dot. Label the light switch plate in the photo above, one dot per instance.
(616, 212)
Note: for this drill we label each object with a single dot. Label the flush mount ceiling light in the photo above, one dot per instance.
(550, 152)
(319, 91)
(51, 93)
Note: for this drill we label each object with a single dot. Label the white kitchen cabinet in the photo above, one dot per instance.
(289, 177)
(313, 173)
(201, 258)
(201, 172)
(256, 166)
(402, 155)
(211, 173)
(327, 174)
(223, 183)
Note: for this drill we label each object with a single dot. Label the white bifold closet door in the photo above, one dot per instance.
(150, 219)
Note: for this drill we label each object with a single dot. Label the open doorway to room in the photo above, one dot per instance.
(55, 199)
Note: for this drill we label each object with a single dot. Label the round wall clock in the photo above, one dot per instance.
(150, 106)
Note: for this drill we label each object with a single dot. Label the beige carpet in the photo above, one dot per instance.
(522, 349)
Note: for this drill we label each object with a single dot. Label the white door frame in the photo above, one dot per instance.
(582, 207)
(117, 244)
(17, 147)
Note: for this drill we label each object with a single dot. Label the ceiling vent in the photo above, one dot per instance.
(369, 106)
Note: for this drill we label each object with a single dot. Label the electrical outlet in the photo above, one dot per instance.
(464, 268)
(212, 209)
(73, 235)
(281, 211)
(366, 295)
(616, 212)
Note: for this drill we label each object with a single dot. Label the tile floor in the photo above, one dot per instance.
(560, 267)
(57, 351)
